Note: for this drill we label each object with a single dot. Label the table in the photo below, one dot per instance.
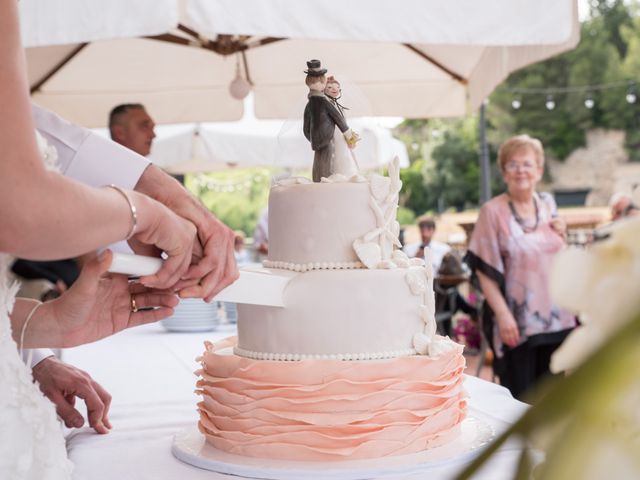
(149, 373)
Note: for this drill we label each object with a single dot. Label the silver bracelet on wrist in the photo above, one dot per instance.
(24, 329)
(132, 207)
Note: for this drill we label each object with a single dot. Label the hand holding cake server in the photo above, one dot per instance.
(100, 304)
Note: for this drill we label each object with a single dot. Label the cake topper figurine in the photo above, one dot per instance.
(345, 161)
(323, 124)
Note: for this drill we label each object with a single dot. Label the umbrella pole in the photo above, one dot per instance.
(485, 167)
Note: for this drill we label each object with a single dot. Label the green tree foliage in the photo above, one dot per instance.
(603, 56)
(415, 195)
(236, 197)
(444, 170)
(406, 216)
(457, 173)
(631, 69)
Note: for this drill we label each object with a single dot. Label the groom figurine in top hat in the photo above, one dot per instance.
(320, 121)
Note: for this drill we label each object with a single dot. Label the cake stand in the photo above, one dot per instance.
(190, 447)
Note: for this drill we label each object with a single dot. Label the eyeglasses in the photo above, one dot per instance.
(525, 166)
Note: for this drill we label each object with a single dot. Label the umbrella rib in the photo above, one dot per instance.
(169, 37)
(188, 31)
(38, 85)
(434, 62)
(224, 45)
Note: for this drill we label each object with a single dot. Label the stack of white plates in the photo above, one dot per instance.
(192, 315)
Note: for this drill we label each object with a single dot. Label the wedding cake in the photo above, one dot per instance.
(351, 367)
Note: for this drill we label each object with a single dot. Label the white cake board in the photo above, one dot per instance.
(190, 447)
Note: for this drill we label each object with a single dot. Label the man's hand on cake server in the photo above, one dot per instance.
(213, 265)
(97, 161)
(61, 383)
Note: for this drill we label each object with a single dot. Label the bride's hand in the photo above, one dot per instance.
(161, 230)
(99, 304)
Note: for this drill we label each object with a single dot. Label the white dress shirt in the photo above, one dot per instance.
(438, 251)
(88, 158)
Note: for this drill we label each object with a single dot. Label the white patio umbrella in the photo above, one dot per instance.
(252, 142)
(409, 58)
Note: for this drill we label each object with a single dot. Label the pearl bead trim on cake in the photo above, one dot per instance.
(296, 357)
(305, 267)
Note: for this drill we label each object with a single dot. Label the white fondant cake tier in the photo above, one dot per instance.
(316, 223)
(359, 314)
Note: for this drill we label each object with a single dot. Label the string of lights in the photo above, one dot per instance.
(587, 90)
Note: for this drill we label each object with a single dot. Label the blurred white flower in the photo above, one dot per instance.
(602, 285)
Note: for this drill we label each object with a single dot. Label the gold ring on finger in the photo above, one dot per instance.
(134, 306)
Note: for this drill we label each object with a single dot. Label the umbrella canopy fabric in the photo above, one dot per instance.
(60, 22)
(409, 58)
(251, 142)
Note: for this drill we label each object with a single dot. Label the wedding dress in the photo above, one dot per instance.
(344, 161)
(31, 441)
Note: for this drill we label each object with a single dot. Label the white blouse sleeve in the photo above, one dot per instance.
(87, 157)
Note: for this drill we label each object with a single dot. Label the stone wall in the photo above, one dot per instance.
(602, 166)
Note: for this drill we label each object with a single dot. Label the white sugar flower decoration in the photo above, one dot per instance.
(602, 285)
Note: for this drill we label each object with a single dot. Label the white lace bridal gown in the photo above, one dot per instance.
(344, 161)
(31, 443)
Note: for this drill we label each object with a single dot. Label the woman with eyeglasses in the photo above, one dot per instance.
(510, 251)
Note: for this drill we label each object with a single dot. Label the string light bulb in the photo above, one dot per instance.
(589, 102)
(516, 103)
(550, 104)
(631, 97)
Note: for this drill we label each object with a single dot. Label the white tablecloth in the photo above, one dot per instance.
(149, 373)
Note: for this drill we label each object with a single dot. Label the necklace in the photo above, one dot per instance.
(334, 100)
(521, 221)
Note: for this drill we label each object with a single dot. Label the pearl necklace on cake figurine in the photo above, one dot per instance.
(325, 126)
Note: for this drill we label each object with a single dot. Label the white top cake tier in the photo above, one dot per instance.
(314, 224)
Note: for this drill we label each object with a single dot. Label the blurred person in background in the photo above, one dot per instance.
(622, 206)
(513, 243)
(261, 235)
(239, 251)
(242, 258)
(427, 226)
(131, 126)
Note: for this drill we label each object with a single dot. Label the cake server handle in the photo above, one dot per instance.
(135, 265)
(256, 286)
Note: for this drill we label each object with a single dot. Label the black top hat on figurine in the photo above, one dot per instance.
(314, 68)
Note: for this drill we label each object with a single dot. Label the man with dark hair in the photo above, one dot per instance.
(131, 126)
(427, 223)
(427, 226)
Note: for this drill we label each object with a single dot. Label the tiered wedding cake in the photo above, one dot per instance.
(351, 367)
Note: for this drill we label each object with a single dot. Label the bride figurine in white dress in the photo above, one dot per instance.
(345, 161)
(46, 216)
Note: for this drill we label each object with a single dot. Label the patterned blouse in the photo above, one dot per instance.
(517, 255)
